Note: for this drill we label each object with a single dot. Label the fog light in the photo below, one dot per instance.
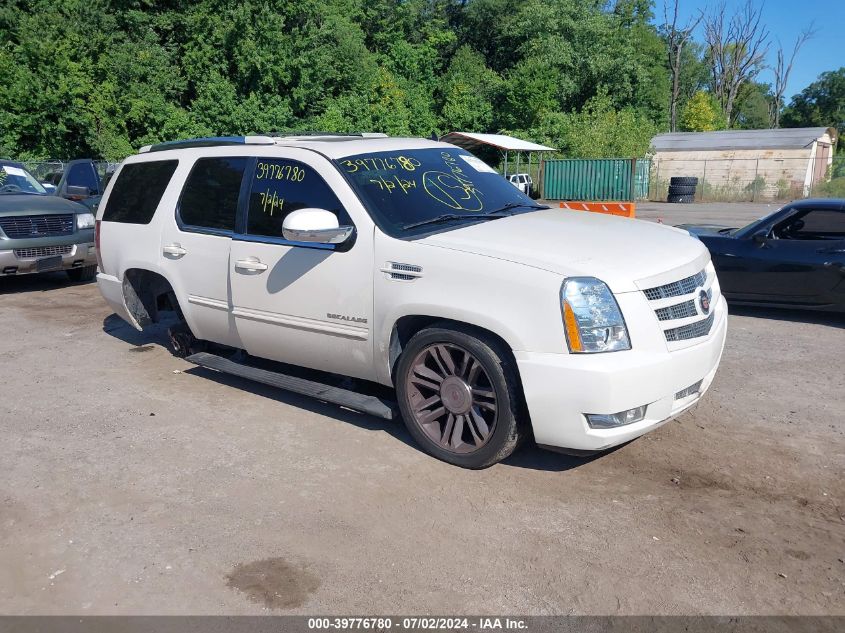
(612, 420)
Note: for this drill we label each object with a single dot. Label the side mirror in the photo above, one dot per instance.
(315, 225)
(73, 192)
(760, 237)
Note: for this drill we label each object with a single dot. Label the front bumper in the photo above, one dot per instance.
(560, 388)
(24, 261)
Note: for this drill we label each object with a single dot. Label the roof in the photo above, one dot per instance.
(783, 138)
(470, 141)
(332, 146)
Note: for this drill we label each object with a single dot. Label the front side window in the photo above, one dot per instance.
(210, 197)
(816, 224)
(280, 186)
(138, 190)
(407, 189)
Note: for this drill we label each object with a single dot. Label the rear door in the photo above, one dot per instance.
(305, 304)
(195, 241)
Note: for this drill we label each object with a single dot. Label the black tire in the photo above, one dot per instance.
(85, 273)
(678, 190)
(182, 341)
(683, 181)
(681, 199)
(510, 423)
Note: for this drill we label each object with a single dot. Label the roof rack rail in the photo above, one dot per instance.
(328, 134)
(208, 141)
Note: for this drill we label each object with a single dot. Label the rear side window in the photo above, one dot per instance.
(210, 197)
(138, 190)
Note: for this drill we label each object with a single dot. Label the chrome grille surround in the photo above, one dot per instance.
(26, 226)
(43, 251)
(692, 330)
(689, 391)
(676, 288)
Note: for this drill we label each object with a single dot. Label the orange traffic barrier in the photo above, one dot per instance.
(624, 209)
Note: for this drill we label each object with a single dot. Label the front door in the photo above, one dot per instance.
(799, 263)
(304, 304)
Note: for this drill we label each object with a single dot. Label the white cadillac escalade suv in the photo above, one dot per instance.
(413, 264)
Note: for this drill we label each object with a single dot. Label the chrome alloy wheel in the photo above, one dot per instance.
(452, 398)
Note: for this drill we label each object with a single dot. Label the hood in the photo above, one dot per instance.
(705, 229)
(619, 251)
(34, 204)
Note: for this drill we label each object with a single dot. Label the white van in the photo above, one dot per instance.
(411, 263)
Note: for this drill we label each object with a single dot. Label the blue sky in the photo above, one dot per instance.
(785, 20)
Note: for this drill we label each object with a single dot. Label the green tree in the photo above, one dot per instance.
(702, 114)
(822, 103)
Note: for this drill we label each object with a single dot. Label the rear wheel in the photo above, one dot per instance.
(182, 341)
(460, 397)
(85, 273)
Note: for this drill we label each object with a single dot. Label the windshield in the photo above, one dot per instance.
(754, 226)
(408, 189)
(18, 180)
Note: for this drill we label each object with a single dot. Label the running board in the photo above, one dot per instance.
(335, 395)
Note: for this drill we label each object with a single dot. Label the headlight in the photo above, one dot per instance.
(591, 317)
(85, 221)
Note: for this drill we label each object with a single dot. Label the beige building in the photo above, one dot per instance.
(735, 164)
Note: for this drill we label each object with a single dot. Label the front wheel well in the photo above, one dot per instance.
(146, 294)
(405, 328)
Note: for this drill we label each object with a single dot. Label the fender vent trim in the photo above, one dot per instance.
(402, 272)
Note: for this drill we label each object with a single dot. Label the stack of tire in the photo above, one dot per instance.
(682, 189)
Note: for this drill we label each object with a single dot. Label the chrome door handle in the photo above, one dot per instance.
(174, 250)
(251, 265)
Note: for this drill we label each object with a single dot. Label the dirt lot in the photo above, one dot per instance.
(131, 483)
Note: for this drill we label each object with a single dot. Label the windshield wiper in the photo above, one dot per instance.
(448, 217)
(518, 205)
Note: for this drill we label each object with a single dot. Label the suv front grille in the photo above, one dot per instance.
(679, 311)
(676, 288)
(693, 330)
(688, 307)
(25, 226)
(43, 251)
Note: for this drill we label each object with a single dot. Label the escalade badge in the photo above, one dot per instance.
(343, 317)
(704, 302)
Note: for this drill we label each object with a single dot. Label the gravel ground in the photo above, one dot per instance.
(132, 483)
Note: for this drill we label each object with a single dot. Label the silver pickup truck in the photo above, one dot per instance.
(40, 232)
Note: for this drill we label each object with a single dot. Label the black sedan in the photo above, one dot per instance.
(793, 258)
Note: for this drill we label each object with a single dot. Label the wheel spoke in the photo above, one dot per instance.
(424, 372)
(447, 428)
(457, 432)
(473, 372)
(425, 404)
(443, 359)
(480, 423)
(429, 416)
(484, 393)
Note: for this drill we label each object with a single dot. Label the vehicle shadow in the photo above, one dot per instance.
(529, 456)
(831, 319)
(42, 282)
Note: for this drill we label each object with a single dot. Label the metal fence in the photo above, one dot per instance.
(596, 179)
(752, 179)
(51, 170)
